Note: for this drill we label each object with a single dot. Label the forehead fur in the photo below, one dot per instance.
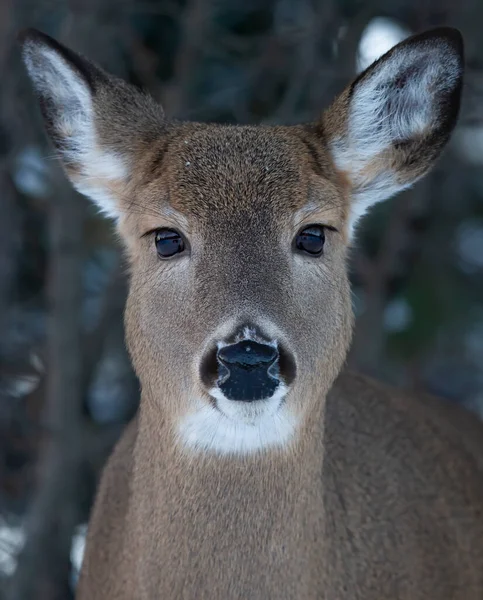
(204, 170)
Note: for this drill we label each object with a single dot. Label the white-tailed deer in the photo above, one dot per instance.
(257, 466)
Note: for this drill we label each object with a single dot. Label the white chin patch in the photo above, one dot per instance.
(234, 427)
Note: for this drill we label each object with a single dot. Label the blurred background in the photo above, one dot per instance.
(66, 385)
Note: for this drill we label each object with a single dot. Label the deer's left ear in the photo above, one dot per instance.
(388, 127)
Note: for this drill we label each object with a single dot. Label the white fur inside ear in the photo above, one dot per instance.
(398, 101)
(69, 102)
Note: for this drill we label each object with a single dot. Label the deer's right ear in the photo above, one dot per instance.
(98, 123)
(388, 127)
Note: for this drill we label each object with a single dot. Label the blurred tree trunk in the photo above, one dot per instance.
(44, 564)
(195, 26)
(9, 221)
(9, 239)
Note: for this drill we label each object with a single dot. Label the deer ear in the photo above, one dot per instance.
(98, 123)
(389, 126)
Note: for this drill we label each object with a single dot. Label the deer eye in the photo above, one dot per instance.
(311, 240)
(168, 243)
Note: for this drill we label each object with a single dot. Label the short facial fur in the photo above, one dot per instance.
(239, 196)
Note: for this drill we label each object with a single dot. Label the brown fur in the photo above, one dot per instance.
(383, 501)
(379, 494)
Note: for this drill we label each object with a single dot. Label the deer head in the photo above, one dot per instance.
(239, 313)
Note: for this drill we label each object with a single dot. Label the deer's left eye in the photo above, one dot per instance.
(168, 243)
(311, 240)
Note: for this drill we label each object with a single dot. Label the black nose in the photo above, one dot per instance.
(248, 371)
(248, 355)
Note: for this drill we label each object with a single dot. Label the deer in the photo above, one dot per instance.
(258, 464)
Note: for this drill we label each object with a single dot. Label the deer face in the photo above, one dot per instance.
(239, 293)
(238, 317)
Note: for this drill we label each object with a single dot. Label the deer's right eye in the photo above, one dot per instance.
(168, 243)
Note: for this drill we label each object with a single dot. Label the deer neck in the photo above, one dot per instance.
(168, 480)
(184, 507)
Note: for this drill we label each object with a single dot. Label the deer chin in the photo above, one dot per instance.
(223, 426)
(249, 413)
